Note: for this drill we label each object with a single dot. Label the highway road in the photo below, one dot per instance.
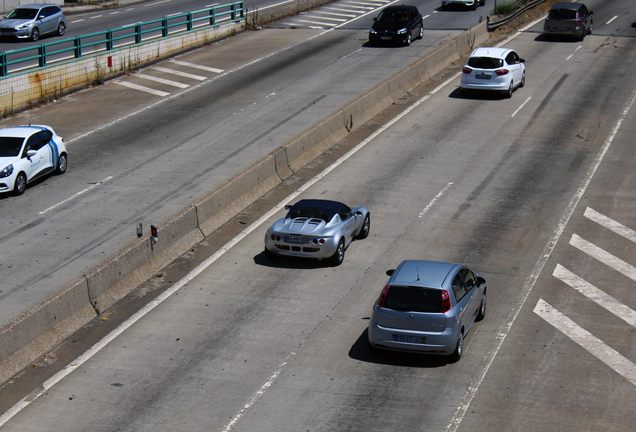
(535, 192)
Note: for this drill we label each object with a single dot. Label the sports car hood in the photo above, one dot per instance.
(392, 26)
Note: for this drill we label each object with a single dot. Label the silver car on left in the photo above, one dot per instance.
(32, 21)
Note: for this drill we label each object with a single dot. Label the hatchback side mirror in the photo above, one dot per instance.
(390, 272)
(522, 60)
(480, 280)
(30, 154)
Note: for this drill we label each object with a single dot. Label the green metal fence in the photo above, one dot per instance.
(16, 61)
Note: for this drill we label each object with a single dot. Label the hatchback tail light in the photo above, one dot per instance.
(501, 72)
(382, 298)
(578, 19)
(467, 70)
(446, 303)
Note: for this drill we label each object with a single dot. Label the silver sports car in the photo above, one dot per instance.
(317, 229)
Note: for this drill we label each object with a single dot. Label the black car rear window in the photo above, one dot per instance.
(485, 62)
(309, 213)
(563, 14)
(10, 146)
(415, 299)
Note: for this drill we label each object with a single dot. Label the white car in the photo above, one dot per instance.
(498, 69)
(28, 153)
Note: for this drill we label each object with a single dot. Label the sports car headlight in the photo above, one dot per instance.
(7, 171)
(401, 31)
(372, 31)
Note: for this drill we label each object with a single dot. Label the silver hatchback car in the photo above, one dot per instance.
(32, 21)
(427, 307)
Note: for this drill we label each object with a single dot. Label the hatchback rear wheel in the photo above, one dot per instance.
(459, 348)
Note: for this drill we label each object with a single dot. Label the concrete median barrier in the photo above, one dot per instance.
(43, 326)
(40, 329)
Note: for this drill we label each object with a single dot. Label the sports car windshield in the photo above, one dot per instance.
(10, 146)
(485, 62)
(22, 14)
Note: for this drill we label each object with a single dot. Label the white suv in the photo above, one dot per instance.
(499, 69)
(28, 153)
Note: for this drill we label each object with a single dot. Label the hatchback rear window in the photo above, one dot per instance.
(563, 14)
(485, 62)
(415, 299)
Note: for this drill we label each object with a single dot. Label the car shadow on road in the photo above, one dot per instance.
(290, 262)
(476, 94)
(362, 352)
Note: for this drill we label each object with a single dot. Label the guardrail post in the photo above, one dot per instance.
(212, 16)
(3, 64)
(233, 7)
(42, 54)
(78, 46)
(109, 40)
(138, 33)
(164, 30)
(190, 21)
(242, 9)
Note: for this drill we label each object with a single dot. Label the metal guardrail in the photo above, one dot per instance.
(19, 60)
(493, 25)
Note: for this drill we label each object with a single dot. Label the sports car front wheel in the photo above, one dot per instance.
(338, 257)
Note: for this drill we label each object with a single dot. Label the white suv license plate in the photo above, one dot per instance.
(295, 239)
(409, 339)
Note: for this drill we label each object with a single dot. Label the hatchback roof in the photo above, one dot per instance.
(429, 274)
(491, 52)
(567, 5)
(20, 131)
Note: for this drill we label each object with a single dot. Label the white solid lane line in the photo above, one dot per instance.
(586, 340)
(76, 195)
(603, 256)
(612, 19)
(601, 298)
(434, 200)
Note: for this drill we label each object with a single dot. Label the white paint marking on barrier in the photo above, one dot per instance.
(587, 341)
(468, 397)
(142, 88)
(76, 195)
(320, 15)
(610, 224)
(603, 256)
(612, 19)
(196, 66)
(434, 200)
(601, 298)
(522, 105)
(161, 80)
(179, 73)
(319, 23)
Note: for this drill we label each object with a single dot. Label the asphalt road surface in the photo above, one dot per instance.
(535, 192)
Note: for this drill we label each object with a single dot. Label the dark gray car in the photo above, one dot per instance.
(33, 21)
(568, 19)
(427, 307)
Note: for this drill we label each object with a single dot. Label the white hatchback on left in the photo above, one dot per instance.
(28, 153)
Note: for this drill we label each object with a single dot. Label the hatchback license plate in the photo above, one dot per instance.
(295, 239)
(483, 76)
(409, 339)
(385, 37)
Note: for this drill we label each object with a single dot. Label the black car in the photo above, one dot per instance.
(568, 19)
(397, 24)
